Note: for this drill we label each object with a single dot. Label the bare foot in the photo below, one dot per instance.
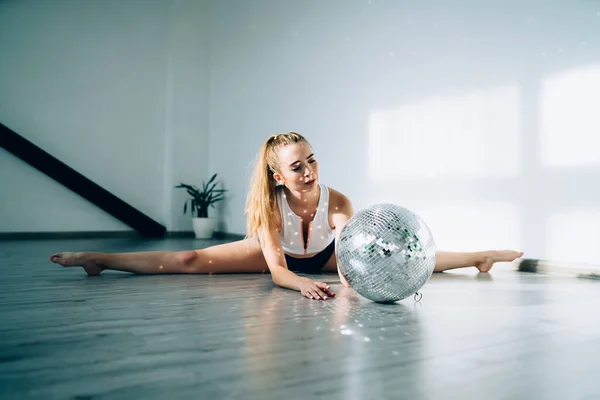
(494, 256)
(69, 259)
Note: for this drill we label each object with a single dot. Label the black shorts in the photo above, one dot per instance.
(312, 264)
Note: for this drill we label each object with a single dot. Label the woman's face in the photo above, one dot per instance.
(299, 170)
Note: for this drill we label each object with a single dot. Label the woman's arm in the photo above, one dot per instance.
(282, 276)
(275, 258)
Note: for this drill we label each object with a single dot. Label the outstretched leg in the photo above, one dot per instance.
(244, 256)
(445, 260)
(483, 260)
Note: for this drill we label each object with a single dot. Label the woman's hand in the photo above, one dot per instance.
(315, 290)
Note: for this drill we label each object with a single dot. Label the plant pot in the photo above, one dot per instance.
(203, 227)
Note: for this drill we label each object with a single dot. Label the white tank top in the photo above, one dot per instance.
(320, 234)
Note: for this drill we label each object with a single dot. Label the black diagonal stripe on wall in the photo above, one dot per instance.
(67, 176)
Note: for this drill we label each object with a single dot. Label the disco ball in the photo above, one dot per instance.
(386, 253)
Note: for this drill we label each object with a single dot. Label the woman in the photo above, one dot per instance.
(293, 222)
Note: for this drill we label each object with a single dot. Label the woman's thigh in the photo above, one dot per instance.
(243, 256)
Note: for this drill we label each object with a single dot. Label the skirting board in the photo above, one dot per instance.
(105, 235)
(555, 268)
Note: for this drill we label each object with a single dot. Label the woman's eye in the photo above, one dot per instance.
(311, 161)
(296, 169)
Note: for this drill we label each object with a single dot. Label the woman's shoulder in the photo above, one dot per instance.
(338, 199)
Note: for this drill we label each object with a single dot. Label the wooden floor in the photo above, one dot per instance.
(503, 335)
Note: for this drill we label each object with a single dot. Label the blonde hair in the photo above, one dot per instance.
(260, 203)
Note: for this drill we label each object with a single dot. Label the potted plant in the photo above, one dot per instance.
(199, 204)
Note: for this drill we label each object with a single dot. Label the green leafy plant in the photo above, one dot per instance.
(202, 199)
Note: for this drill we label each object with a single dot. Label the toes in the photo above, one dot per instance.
(59, 258)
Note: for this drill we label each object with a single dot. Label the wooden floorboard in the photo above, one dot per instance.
(503, 335)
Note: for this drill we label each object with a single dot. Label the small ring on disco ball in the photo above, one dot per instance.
(418, 296)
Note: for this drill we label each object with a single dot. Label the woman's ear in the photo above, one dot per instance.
(278, 178)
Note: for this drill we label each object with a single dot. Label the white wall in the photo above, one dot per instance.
(186, 135)
(115, 89)
(479, 116)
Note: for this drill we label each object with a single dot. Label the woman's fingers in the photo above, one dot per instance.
(313, 294)
(325, 287)
(318, 291)
(321, 294)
